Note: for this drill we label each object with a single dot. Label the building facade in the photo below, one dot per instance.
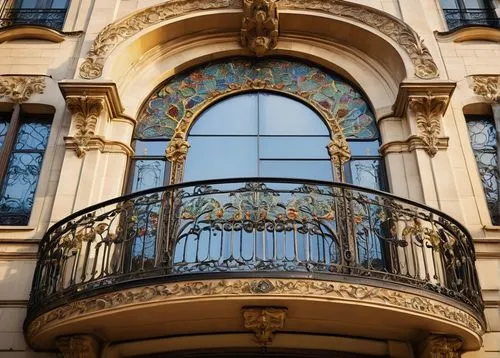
(192, 178)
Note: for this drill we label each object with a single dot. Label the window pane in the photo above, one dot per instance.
(27, 4)
(150, 148)
(59, 4)
(221, 157)
(293, 147)
(475, 4)
(365, 173)
(19, 187)
(279, 115)
(364, 148)
(449, 4)
(32, 137)
(148, 174)
(300, 169)
(236, 115)
(4, 126)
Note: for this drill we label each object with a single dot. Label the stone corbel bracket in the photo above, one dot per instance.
(426, 103)
(87, 103)
(264, 322)
(19, 89)
(78, 346)
(486, 86)
(441, 346)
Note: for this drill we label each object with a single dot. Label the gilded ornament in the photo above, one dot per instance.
(177, 149)
(264, 322)
(19, 89)
(429, 110)
(487, 87)
(85, 111)
(226, 288)
(78, 346)
(259, 27)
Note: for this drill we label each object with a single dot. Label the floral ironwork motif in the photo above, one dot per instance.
(257, 225)
(259, 27)
(172, 109)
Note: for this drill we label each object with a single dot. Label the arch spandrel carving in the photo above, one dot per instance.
(389, 26)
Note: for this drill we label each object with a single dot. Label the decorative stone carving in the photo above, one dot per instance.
(85, 111)
(340, 154)
(259, 27)
(253, 287)
(79, 346)
(428, 111)
(264, 321)
(488, 87)
(441, 346)
(113, 34)
(397, 30)
(19, 89)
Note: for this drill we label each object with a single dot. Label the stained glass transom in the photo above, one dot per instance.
(193, 90)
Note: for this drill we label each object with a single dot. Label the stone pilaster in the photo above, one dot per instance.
(78, 346)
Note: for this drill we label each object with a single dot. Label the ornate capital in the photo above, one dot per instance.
(80, 346)
(487, 86)
(340, 153)
(177, 149)
(19, 89)
(441, 346)
(259, 27)
(264, 321)
(429, 110)
(85, 111)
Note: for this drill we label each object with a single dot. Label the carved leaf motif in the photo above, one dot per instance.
(488, 87)
(19, 89)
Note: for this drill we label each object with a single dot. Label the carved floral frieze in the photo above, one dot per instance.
(19, 89)
(487, 86)
(254, 287)
(428, 111)
(259, 27)
(264, 322)
(85, 112)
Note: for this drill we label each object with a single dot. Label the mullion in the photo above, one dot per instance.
(9, 143)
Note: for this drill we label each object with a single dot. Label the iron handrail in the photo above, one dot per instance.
(52, 18)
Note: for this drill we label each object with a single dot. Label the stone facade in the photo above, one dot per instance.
(112, 54)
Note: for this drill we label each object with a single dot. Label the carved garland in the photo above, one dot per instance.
(302, 288)
(488, 87)
(428, 111)
(113, 34)
(19, 89)
(85, 111)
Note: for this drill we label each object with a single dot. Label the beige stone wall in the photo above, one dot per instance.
(450, 182)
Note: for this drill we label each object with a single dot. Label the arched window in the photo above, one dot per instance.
(263, 132)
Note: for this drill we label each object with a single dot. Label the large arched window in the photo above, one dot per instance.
(279, 126)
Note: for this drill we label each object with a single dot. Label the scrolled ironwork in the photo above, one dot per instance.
(456, 18)
(254, 226)
(53, 18)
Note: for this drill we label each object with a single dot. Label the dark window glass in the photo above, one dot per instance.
(482, 135)
(20, 177)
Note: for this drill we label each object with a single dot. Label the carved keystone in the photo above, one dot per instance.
(487, 86)
(259, 27)
(19, 89)
(79, 346)
(264, 321)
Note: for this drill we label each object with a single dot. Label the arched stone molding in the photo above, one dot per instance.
(398, 46)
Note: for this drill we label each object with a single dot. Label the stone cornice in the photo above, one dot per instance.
(473, 33)
(329, 290)
(105, 90)
(410, 144)
(114, 34)
(99, 143)
(412, 89)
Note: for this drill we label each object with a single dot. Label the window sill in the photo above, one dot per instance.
(16, 228)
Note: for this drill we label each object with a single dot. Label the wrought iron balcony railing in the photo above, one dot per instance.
(254, 226)
(458, 18)
(53, 18)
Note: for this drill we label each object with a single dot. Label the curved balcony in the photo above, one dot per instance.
(52, 18)
(321, 249)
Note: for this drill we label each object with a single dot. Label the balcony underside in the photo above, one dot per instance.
(188, 259)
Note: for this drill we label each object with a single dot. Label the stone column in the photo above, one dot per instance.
(441, 346)
(78, 346)
(97, 148)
